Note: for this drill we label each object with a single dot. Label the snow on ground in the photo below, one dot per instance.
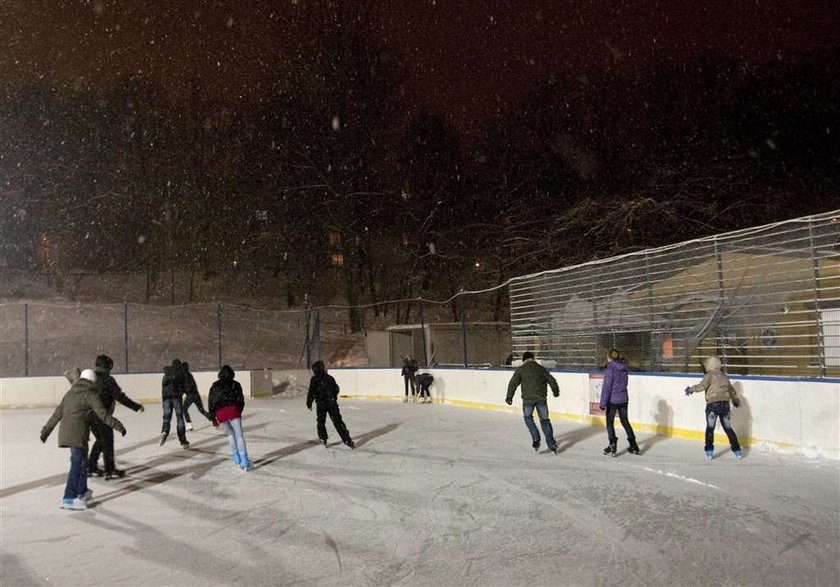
(432, 495)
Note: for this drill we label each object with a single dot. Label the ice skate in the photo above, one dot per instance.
(95, 472)
(738, 454)
(163, 436)
(610, 450)
(350, 443)
(536, 445)
(115, 474)
(634, 448)
(710, 454)
(189, 426)
(323, 441)
(245, 464)
(185, 445)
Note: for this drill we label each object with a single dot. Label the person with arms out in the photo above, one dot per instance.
(534, 378)
(614, 398)
(72, 417)
(191, 396)
(719, 392)
(227, 402)
(424, 381)
(323, 391)
(110, 393)
(172, 390)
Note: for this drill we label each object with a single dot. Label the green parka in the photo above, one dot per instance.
(73, 412)
(534, 378)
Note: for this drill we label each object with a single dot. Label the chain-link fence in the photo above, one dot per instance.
(767, 300)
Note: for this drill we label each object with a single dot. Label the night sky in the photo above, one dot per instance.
(467, 60)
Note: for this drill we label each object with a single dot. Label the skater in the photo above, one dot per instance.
(74, 431)
(191, 396)
(110, 393)
(718, 391)
(409, 369)
(172, 389)
(323, 390)
(614, 399)
(424, 381)
(534, 379)
(226, 403)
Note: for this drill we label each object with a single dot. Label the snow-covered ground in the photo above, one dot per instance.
(432, 495)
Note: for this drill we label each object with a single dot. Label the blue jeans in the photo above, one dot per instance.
(542, 411)
(236, 440)
(173, 404)
(713, 411)
(77, 477)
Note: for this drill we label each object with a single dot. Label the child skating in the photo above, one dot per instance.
(719, 392)
(614, 398)
(323, 390)
(226, 403)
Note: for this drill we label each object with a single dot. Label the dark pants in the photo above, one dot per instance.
(714, 411)
(331, 408)
(424, 389)
(104, 444)
(622, 417)
(409, 380)
(173, 404)
(542, 411)
(77, 477)
(195, 399)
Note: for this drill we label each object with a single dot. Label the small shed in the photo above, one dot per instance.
(486, 343)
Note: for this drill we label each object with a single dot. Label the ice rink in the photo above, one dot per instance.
(432, 495)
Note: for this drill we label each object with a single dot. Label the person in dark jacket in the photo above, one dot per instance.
(614, 398)
(73, 418)
(110, 393)
(323, 390)
(534, 378)
(409, 369)
(191, 396)
(424, 381)
(172, 390)
(227, 402)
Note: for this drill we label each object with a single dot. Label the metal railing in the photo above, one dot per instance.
(765, 299)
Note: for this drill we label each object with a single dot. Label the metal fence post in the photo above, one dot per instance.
(219, 324)
(464, 329)
(26, 339)
(423, 334)
(125, 333)
(815, 278)
(721, 297)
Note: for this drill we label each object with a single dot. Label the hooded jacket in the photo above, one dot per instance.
(172, 385)
(715, 383)
(322, 386)
(110, 392)
(74, 412)
(614, 389)
(225, 392)
(534, 378)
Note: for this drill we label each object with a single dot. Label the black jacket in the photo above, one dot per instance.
(226, 391)
(322, 387)
(172, 386)
(190, 386)
(110, 393)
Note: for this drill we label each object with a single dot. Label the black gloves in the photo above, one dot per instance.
(557, 394)
(121, 430)
(44, 435)
(509, 401)
(736, 401)
(308, 405)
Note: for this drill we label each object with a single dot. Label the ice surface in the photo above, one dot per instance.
(432, 495)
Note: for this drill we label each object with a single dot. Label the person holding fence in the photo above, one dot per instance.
(614, 399)
(719, 392)
(409, 369)
(72, 416)
(534, 378)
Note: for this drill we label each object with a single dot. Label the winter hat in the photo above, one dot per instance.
(712, 364)
(318, 367)
(88, 374)
(527, 355)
